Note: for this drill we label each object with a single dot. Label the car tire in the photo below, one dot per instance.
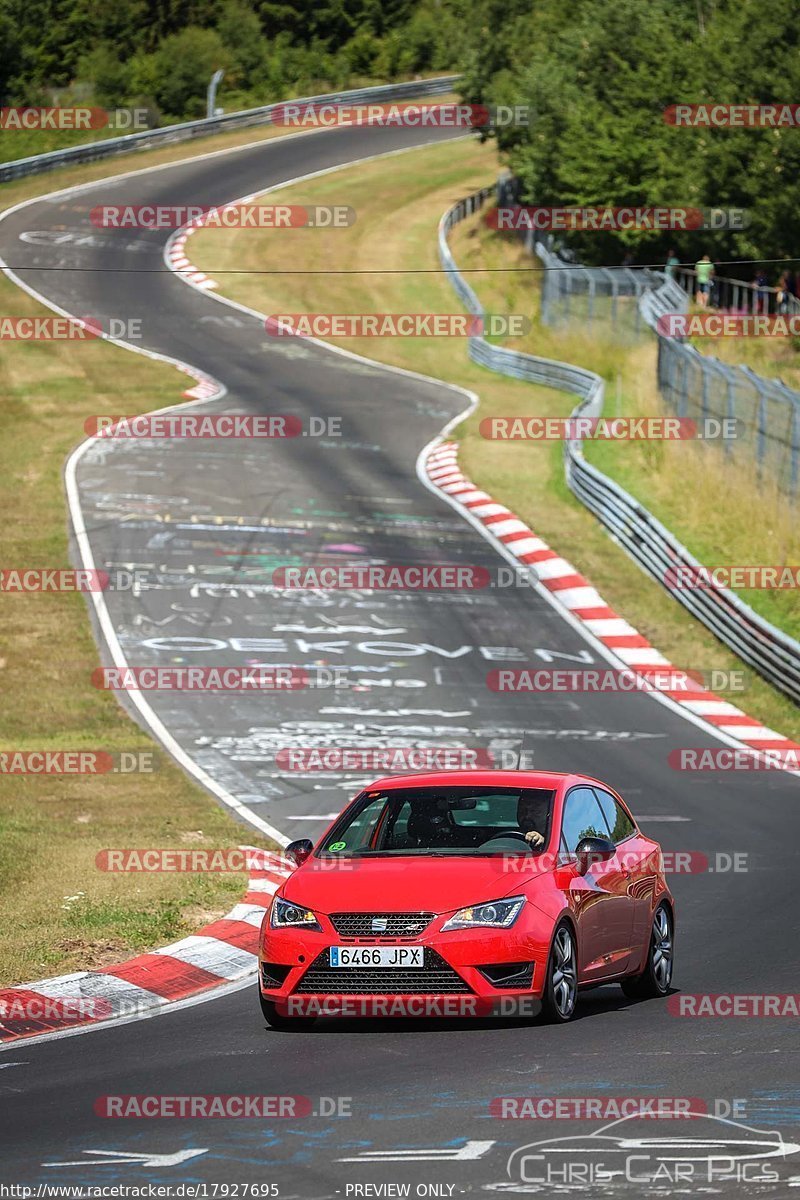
(655, 979)
(278, 1020)
(560, 995)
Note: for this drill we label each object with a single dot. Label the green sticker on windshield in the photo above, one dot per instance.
(337, 845)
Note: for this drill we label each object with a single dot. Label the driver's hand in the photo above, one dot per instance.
(534, 838)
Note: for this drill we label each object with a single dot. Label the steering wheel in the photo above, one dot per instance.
(501, 837)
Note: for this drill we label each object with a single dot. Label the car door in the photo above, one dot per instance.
(635, 853)
(600, 898)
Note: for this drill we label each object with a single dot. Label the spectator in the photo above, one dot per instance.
(762, 291)
(782, 294)
(672, 262)
(704, 272)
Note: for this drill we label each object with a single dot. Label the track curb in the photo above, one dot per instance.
(573, 592)
(218, 954)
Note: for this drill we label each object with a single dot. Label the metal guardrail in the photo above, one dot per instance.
(148, 138)
(738, 296)
(692, 383)
(770, 651)
(697, 385)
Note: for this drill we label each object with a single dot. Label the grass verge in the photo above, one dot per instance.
(59, 912)
(399, 201)
(681, 483)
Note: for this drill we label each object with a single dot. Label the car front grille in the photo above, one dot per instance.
(379, 925)
(435, 977)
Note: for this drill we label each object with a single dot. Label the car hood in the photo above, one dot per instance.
(408, 884)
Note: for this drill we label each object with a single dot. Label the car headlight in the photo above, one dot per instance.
(283, 915)
(497, 914)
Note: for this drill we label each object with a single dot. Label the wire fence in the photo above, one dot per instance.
(773, 653)
(628, 301)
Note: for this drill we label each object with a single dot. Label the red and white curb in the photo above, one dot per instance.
(206, 387)
(217, 954)
(178, 261)
(574, 592)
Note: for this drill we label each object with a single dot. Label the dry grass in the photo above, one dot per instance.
(52, 827)
(60, 913)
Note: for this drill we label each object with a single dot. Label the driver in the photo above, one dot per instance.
(532, 812)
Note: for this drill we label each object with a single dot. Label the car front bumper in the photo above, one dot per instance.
(466, 973)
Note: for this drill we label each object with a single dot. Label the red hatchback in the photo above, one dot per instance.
(468, 893)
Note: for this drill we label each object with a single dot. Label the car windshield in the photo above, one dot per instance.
(443, 821)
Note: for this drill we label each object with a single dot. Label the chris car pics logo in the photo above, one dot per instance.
(628, 1154)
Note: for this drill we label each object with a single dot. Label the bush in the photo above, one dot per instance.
(180, 70)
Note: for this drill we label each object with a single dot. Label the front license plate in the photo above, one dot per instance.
(377, 956)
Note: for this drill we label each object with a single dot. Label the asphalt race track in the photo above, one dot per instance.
(192, 516)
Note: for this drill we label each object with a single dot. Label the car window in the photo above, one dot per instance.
(617, 819)
(490, 810)
(582, 818)
(445, 819)
(395, 835)
(361, 828)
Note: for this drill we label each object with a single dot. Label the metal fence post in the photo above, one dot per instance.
(762, 431)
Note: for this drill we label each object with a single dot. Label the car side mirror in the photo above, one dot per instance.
(299, 850)
(591, 850)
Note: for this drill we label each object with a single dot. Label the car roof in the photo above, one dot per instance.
(526, 779)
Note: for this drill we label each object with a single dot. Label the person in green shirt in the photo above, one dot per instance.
(672, 262)
(704, 272)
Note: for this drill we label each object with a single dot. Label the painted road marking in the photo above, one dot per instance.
(466, 1153)
(314, 817)
(106, 1157)
(663, 818)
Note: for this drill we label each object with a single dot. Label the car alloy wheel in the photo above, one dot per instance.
(656, 977)
(661, 949)
(561, 987)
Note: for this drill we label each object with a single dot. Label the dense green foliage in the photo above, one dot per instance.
(598, 77)
(161, 53)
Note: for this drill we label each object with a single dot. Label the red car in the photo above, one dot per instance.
(468, 893)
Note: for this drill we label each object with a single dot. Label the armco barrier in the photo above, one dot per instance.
(692, 383)
(767, 649)
(148, 138)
